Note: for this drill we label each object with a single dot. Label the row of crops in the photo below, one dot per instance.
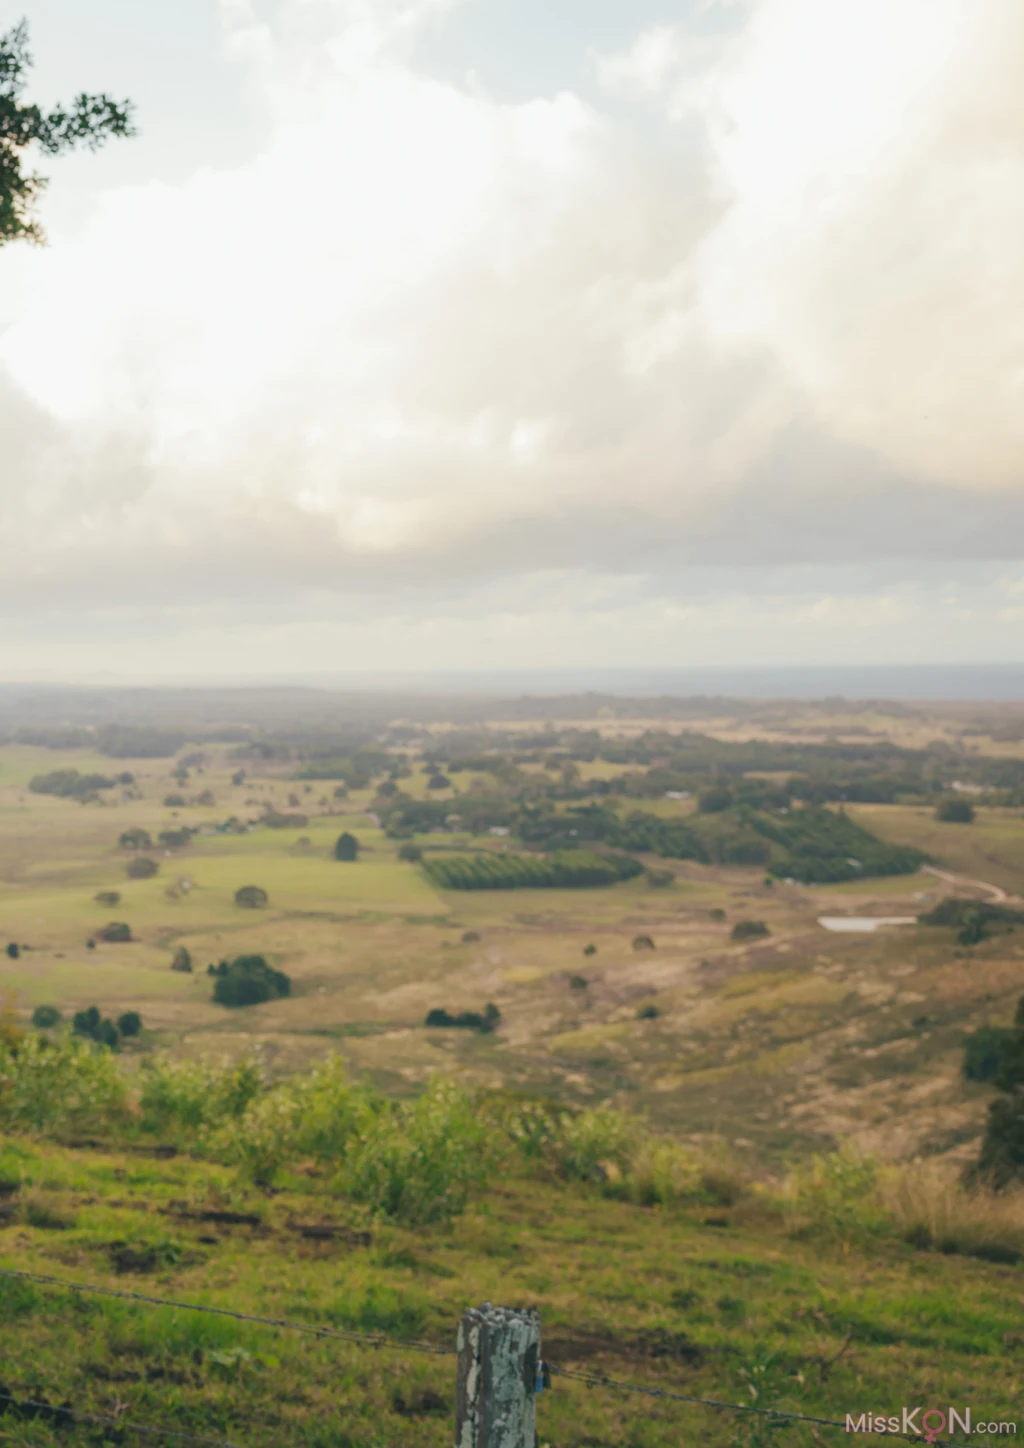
(563, 869)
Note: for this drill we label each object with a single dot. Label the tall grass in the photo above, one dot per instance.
(931, 1208)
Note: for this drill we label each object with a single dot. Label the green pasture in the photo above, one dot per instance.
(992, 848)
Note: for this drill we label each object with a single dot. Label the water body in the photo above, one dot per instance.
(864, 924)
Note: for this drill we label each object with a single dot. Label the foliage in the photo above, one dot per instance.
(715, 800)
(182, 960)
(183, 1098)
(465, 1020)
(135, 839)
(116, 933)
(934, 1212)
(643, 942)
(60, 1086)
(90, 1025)
(410, 853)
(129, 1024)
(248, 981)
(44, 1018)
(955, 811)
(1001, 1159)
(957, 913)
(418, 1163)
(749, 930)
(251, 897)
(346, 847)
(12, 950)
(141, 868)
(568, 869)
(660, 879)
(66, 783)
(983, 1052)
(834, 1193)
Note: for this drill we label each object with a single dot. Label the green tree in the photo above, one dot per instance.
(130, 1024)
(90, 120)
(955, 811)
(135, 839)
(347, 847)
(252, 897)
(45, 1017)
(410, 853)
(1001, 1160)
(248, 981)
(141, 868)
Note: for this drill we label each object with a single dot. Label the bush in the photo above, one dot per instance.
(108, 897)
(175, 839)
(643, 942)
(983, 1052)
(418, 1163)
(141, 868)
(648, 1013)
(44, 1018)
(955, 811)
(70, 784)
(714, 801)
(594, 1145)
(13, 950)
(833, 1195)
(182, 961)
(251, 897)
(92, 1027)
(346, 847)
(129, 1024)
(578, 982)
(62, 1086)
(409, 852)
(193, 1097)
(135, 839)
(174, 801)
(249, 981)
(116, 933)
(660, 879)
(749, 930)
(439, 1019)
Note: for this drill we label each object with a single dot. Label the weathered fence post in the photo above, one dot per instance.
(499, 1374)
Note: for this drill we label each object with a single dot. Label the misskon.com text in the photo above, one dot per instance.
(929, 1423)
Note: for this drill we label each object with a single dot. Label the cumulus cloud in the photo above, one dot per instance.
(426, 342)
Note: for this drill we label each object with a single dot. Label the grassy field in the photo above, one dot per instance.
(783, 1044)
(702, 1302)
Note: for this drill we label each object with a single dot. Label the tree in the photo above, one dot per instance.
(141, 868)
(135, 839)
(251, 897)
(90, 121)
(44, 1018)
(182, 961)
(130, 1024)
(116, 933)
(410, 853)
(108, 897)
(14, 950)
(955, 812)
(347, 847)
(749, 929)
(1001, 1160)
(248, 981)
(714, 800)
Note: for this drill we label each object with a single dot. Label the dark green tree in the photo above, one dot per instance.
(130, 1024)
(248, 981)
(90, 121)
(1001, 1160)
(251, 897)
(955, 811)
(45, 1017)
(347, 847)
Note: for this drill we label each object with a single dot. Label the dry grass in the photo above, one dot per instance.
(930, 1208)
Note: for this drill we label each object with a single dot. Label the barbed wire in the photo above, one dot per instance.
(74, 1415)
(598, 1380)
(378, 1340)
(312, 1329)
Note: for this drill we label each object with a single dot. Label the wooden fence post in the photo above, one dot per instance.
(499, 1373)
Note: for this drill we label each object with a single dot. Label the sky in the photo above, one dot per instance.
(527, 334)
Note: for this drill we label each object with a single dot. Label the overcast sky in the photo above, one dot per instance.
(528, 333)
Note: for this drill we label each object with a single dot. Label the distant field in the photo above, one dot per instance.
(788, 1042)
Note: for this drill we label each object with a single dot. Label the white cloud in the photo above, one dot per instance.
(424, 339)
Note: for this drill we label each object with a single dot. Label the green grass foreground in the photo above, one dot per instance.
(845, 1288)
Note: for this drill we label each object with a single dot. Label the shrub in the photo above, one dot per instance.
(717, 914)
(251, 897)
(930, 1209)
(346, 847)
(470, 937)
(175, 839)
(649, 1012)
(141, 868)
(660, 879)
(190, 1097)
(578, 982)
(663, 1172)
(595, 1144)
(590, 950)
(834, 1194)
(643, 942)
(116, 933)
(749, 929)
(418, 1163)
(983, 1052)
(714, 801)
(955, 811)
(108, 897)
(182, 961)
(129, 1024)
(440, 1019)
(174, 801)
(248, 981)
(70, 784)
(13, 949)
(44, 1018)
(410, 853)
(92, 1027)
(135, 839)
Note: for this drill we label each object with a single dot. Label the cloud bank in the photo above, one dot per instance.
(746, 308)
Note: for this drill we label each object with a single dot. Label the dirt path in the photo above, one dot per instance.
(998, 894)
